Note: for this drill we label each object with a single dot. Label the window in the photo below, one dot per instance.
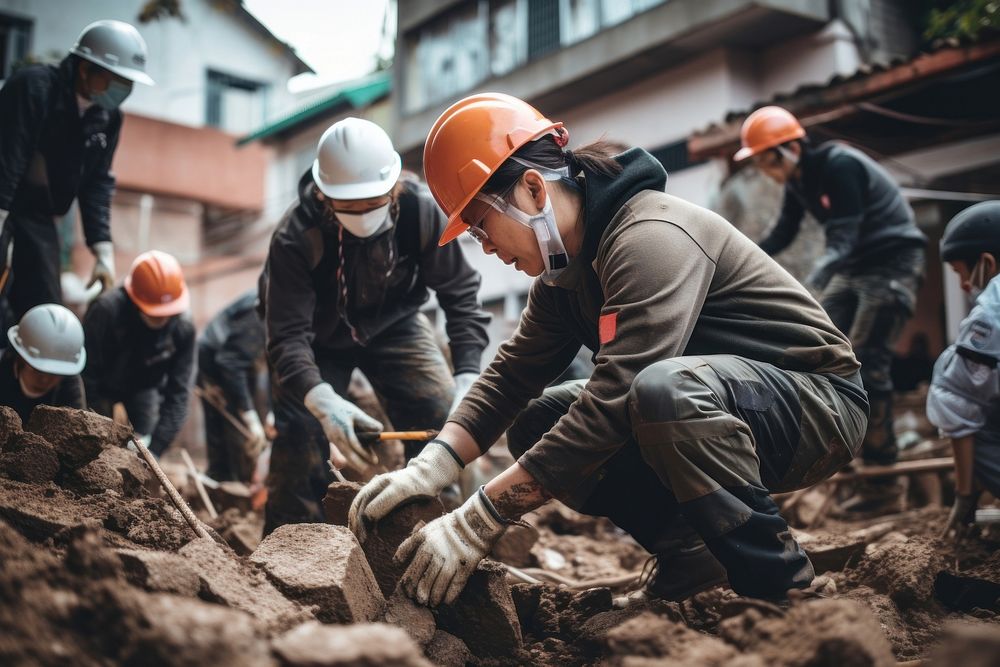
(543, 27)
(448, 57)
(15, 40)
(234, 104)
(508, 46)
(580, 19)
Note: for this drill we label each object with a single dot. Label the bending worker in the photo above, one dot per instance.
(964, 398)
(43, 363)
(874, 260)
(230, 360)
(718, 378)
(347, 273)
(57, 140)
(140, 350)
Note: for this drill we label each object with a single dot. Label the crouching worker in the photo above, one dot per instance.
(42, 366)
(964, 398)
(718, 378)
(348, 270)
(140, 350)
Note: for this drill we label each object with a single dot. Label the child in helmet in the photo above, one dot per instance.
(43, 364)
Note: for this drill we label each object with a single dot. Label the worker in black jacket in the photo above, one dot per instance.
(347, 273)
(43, 363)
(140, 350)
(59, 128)
(231, 362)
(869, 275)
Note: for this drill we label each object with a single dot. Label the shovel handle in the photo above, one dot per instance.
(368, 437)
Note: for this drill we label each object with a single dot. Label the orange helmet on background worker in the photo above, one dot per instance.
(470, 140)
(156, 285)
(767, 128)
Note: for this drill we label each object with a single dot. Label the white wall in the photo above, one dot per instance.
(180, 53)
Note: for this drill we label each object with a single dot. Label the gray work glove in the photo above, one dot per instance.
(425, 476)
(463, 382)
(104, 265)
(339, 418)
(258, 440)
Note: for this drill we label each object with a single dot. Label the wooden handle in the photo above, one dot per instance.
(368, 437)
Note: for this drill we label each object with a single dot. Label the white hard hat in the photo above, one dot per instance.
(116, 46)
(355, 160)
(50, 339)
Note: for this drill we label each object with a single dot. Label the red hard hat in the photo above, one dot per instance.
(470, 140)
(155, 283)
(767, 128)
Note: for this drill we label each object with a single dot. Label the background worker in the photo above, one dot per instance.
(964, 398)
(718, 379)
(231, 362)
(58, 135)
(140, 350)
(871, 269)
(43, 363)
(347, 273)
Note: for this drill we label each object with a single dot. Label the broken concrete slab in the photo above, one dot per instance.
(10, 424)
(359, 645)
(322, 565)
(77, 435)
(514, 546)
(114, 469)
(170, 630)
(337, 502)
(41, 512)
(28, 457)
(417, 620)
(483, 616)
(231, 495)
(159, 571)
(225, 579)
(447, 650)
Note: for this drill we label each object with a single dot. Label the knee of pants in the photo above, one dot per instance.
(664, 392)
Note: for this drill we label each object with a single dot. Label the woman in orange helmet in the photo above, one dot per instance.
(718, 378)
(140, 349)
(870, 272)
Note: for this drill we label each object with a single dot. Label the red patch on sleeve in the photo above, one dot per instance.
(824, 201)
(607, 327)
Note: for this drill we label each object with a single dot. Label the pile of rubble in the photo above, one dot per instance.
(97, 568)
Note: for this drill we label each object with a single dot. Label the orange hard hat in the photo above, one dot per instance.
(766, 128)
(155, 283)
(470, 140)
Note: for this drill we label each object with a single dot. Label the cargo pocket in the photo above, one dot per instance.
(773, 422)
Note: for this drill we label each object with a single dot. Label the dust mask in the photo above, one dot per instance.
(364, 225)
(112, 98)
(543, 224)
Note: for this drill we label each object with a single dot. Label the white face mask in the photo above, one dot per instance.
(788, 156)
(364, 224)
(543, 224)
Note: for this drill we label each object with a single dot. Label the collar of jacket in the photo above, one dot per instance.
(604, 196)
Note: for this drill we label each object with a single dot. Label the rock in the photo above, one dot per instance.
(385, 537)
(181, 631)
(226, 580)
(231, 495)
(483, 616)
(28, 458)
(417, 620)
(78, 435)
(243, 536)
(650, 636)
(360, 645)
(968, 645)
(159, 571)
(815, 632)
(514, 547)
(447, 650)
(40, 513)
(323, 565)
(10, 424)
(337, 503)
(114, 469)
(903, 570)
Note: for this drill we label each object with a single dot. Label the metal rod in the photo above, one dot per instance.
(196, 476)
(175, 497)
(213, 400)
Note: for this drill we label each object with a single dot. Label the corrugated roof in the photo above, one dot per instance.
(354, 95)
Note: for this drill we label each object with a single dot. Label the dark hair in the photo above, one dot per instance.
(545, 152)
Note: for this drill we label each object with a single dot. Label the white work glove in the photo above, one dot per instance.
(463, 382)
(104, 266)
(3, 219)
(447, 550)
(425, 476)
(339, 417)
(255, 444)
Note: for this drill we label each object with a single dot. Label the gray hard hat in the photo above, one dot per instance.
(117, 47)
(50, 339)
